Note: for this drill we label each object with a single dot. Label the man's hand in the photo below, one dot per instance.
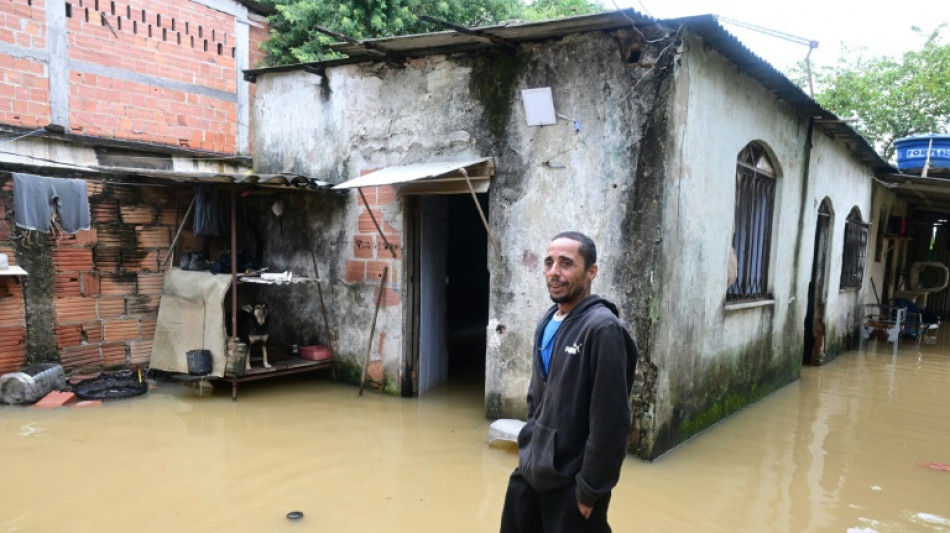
(585, 510)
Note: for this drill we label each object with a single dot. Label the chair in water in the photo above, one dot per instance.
(882, 322)
(918, 321)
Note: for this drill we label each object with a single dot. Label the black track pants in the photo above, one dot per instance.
(527, 511)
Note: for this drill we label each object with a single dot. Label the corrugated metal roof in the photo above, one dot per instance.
(283, 180)
(705, 26)
(517, 32)
(927, 194)
(775, 82)
(475, 169)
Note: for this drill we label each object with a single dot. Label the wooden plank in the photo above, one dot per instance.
(282, 367)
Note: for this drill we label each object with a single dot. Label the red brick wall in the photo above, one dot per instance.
(258, 34)
(23, 23)
(107, 279)
(24, 83)
(12, 319)
(369, 254)
(12, 311)
(177, 41)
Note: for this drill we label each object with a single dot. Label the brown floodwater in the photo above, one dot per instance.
(840, 450)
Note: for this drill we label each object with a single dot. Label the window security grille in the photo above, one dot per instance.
(855, 251)
(751, 239)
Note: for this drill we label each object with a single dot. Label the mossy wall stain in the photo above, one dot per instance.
(493, 81)
(729, 387)
(643, 232)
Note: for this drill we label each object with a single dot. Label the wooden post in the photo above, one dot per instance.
(481, 213)
(178, 234)
(316, 273)
(372, 328)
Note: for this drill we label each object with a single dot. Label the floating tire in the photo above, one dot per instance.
(110, 388)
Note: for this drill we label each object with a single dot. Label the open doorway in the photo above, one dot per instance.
(817, 289)
(451, 290)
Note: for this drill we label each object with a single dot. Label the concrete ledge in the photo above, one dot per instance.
(749, 305)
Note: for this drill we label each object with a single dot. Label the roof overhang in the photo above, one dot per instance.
(282, 180)
(435, 177)
(707, 27)
(926, 194)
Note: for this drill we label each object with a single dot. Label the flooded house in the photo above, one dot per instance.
(414, 185)
(733, 215)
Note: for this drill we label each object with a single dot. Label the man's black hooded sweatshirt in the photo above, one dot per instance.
(579, 417)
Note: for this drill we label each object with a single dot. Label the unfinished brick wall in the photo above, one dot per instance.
(369, 254)
(12, 319)
(181, 42)
(141, 70)
(12, 310)
(24, 81)
(107, 279)
(258, 34)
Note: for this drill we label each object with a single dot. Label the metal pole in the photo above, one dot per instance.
(234, 263)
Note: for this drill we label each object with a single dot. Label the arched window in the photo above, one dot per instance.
(855, 250)
(752, 236)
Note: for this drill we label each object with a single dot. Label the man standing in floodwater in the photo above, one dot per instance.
(571, 449)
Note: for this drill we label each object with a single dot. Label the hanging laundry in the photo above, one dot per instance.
(36, 197)
(212, 212)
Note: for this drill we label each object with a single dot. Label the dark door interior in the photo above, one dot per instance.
(467, 289)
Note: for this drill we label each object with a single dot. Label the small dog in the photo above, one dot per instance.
(252, 328)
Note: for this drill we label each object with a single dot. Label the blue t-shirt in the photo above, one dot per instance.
(547, 341)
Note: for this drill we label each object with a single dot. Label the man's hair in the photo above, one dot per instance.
(587, 249)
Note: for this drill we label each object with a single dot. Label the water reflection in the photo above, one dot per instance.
(840, 450)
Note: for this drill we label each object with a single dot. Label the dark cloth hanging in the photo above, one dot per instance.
(212, 212)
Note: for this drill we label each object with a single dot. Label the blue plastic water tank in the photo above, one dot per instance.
(912, 152)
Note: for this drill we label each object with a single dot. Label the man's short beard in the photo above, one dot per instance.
(567, 298)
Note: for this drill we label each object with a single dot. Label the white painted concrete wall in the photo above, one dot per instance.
(836, 176)
(718, 111)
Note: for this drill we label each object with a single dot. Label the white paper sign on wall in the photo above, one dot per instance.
(539, 106)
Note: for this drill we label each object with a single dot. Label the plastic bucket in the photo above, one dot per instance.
(199, 362)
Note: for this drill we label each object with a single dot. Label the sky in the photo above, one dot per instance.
(883, 28)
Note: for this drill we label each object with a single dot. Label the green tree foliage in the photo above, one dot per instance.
(892, 97)
(294, 39)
